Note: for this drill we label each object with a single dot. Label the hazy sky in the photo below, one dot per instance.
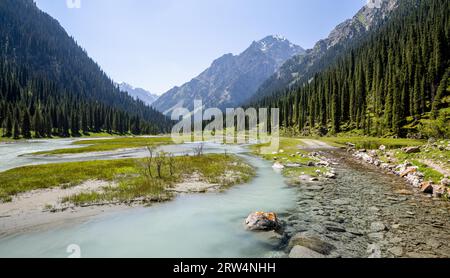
(158, 44)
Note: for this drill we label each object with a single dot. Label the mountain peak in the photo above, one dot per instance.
(279, 38)
(138, 93)
(232, 79)
(272, 42)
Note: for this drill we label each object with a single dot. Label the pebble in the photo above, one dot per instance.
(396, 251)
(376, 236)
(378, 227)
(300, 252)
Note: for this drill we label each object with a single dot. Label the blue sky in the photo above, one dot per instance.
(158, 44)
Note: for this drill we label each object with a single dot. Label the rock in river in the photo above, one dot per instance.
(262, 221)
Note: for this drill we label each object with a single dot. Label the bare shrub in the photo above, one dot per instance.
(198, 150)
(160, 161)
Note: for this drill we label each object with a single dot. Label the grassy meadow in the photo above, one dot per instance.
(131, 176)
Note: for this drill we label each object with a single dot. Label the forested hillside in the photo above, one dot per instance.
(49, 85)
(394, 82)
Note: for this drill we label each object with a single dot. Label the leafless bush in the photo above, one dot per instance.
(160, 161)
(171, 162)
(147, 163)
(198, 150)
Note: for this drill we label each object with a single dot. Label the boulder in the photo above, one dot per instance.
(410, 150)
(300, 252)
(427, 188)
(262, 221)
(330, 175)
(311, 164)
(382, 148)
(311, 242)
(409, 170)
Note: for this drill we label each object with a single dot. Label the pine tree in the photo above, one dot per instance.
(16, 130)
(26, 125)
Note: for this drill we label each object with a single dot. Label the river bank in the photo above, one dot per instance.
(191, 225)
(84, 189)
(363, 212)
(330, 204)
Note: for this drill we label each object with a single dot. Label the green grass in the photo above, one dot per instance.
(304, 170)
(29, 178)
(430, 174)
(428, 153)
(102, 145)
(6, 140)
(127, 173)
(371, 142)
(291, 154)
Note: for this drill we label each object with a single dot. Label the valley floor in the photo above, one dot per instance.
(346, 207)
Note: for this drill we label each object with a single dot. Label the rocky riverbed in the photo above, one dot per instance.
(364, 212)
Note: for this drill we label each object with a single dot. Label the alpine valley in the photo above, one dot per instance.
(360, 167)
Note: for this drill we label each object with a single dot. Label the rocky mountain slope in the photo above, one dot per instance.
(232, 80)
(301, 68)
(138, 93)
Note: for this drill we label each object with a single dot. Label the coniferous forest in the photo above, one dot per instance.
(50, 87)
(393, 82)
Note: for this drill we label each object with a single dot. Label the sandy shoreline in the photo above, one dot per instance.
(43, 221)
(43, 209)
